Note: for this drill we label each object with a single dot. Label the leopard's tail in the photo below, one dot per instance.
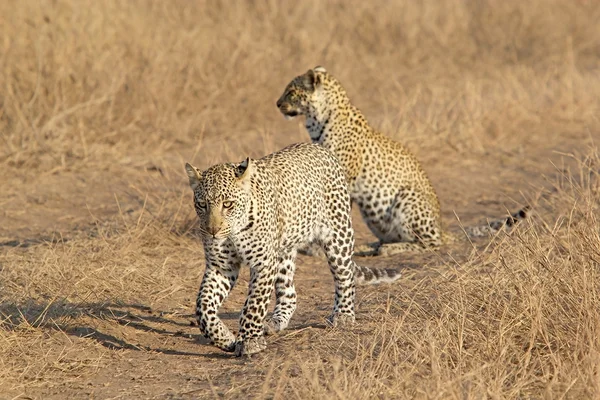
(493, 227)
(369, 276)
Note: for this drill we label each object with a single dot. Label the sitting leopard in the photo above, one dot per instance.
(258, 213)
(395, 196)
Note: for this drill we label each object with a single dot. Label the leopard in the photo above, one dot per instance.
(258, 213)
(385, 180)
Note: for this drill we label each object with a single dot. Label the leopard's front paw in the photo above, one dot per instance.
(250, 346)
(228, 346)
(226, 343)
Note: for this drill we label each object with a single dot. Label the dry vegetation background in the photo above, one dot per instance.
(102, 102)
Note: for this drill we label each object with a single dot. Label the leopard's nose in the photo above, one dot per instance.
(213, 230)
(279, 103)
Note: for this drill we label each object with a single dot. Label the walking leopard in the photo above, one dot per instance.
(258, 213)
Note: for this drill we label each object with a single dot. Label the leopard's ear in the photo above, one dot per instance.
(312, 80)
(244, 171)
(319, 68)
(193, 174)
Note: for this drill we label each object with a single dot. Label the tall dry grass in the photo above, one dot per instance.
(84, 82)
(102, 102)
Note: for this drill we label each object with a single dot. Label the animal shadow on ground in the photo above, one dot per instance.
(97, 321)
(109, 323)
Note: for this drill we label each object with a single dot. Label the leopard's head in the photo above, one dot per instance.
(222, 197)
(302, 93)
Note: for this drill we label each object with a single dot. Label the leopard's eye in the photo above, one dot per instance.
(227, 204)
(202, 204)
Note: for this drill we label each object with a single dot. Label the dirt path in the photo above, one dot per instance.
(150, 348)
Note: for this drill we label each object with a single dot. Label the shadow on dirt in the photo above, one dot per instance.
(97, 321)
(25, 243)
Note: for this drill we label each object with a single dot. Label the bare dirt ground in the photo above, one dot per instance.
(102, 103)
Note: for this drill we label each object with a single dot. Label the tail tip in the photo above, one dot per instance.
(393, 273)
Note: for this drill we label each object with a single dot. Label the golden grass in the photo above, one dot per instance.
(101, 103)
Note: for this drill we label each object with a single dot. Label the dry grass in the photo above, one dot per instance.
(101, 103)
